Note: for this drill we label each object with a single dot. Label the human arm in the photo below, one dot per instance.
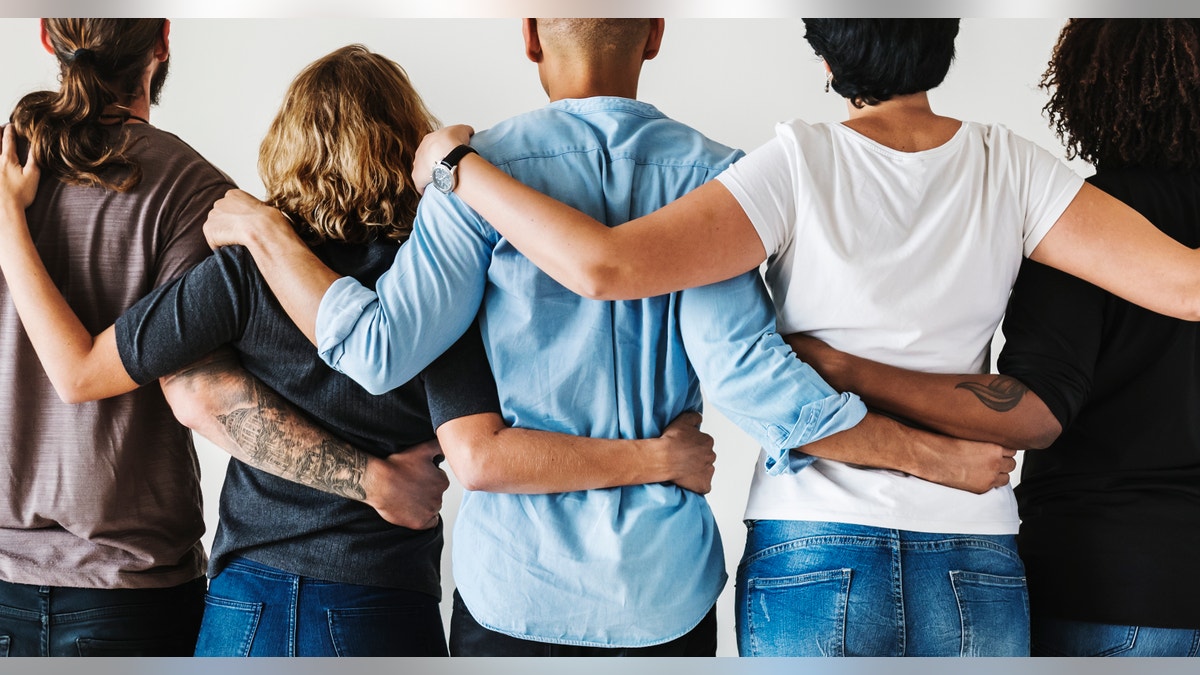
(296, 276)
(982, 407)
(380, 338)
(1103, 241)
(884, 443)
(222, 402)
(664, 251)
(488, 455)
(751, 374)
(80, 367)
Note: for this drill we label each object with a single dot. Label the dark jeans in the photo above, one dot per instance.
(468, 638)
(257, 610)
(58, 621)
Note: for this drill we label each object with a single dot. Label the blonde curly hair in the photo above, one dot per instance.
(338, 157)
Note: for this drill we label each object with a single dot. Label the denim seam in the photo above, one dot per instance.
(818, 540)
(293, 610)
(898, 596)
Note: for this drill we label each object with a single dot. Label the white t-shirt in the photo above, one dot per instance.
(906, 258)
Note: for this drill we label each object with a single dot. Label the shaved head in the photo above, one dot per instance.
(594, 38)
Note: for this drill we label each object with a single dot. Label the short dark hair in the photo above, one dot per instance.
(873, 60)
(1126, 92)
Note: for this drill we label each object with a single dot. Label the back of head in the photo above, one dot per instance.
(594, 40)
(873, 60)
(101, 63)
(1126, 92)
(339, 154)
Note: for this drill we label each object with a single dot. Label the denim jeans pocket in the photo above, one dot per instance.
(387, 631)
(800, 615)
(995, 613)
(228, 627)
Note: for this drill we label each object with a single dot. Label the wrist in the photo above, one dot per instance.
(376, 474)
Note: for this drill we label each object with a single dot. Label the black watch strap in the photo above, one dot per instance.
(455, 156)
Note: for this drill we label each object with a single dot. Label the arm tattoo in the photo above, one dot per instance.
(1002, 394)
(268, 432)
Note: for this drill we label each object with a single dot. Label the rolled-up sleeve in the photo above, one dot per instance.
(383, 338)
(751, 375)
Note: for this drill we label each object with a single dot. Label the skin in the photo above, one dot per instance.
(241, 415)
(674, 247)
(676, 254)
(221, 401)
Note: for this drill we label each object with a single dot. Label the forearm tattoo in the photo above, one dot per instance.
(272, 435)
(275, 445)
(1002, 394)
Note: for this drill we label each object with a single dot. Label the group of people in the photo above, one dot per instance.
(553, 352)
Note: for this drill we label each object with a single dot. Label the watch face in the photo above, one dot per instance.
(443, 178)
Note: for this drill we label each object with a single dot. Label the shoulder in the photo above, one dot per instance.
(165, 156)
(609, 127)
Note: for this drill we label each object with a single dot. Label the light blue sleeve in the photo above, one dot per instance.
(422, 304)
(752, 376)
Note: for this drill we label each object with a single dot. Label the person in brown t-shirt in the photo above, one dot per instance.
(100, 505)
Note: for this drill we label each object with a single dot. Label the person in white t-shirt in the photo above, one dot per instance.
(895, 235)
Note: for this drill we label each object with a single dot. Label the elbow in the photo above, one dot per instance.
(596, 280)
(1036, 436)
(74, 391)
(188, 408)
(71, 394)
(469, 461)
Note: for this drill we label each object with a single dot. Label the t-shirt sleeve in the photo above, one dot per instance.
(460, 383)
(763, 184)
(1049, 186)
(1052, 334)
(189, 317)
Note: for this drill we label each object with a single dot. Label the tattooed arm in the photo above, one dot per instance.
(993, 408)
(219, 400)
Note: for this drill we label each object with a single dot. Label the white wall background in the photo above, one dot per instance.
(730, 78)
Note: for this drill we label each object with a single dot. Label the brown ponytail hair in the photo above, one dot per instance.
(101, 63)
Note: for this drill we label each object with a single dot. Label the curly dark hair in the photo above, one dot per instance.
(1126, 92)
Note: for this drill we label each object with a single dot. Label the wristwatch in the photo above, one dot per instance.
(445, 172)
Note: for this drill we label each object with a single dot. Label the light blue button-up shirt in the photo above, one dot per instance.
(630, 566)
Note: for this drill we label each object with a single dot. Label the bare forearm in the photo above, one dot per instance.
(985, 407)
(296, 276)
(80, 367)
(883, 443)
(487, 455)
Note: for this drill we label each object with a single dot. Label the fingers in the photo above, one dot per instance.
(9, 153)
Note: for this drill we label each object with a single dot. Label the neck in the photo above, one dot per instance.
(135, 110)
(904, 123)
(580, 80)
(909, 106)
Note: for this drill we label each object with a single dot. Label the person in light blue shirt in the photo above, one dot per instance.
(631, 569)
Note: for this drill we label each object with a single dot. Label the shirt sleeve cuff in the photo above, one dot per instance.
(341, 307)
(820, 419)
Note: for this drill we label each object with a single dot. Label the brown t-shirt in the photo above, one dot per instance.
(104, 494)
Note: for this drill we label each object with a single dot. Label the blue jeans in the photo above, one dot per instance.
(256, 610)
(60, 621)
(831, 589)
(1060, 637)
